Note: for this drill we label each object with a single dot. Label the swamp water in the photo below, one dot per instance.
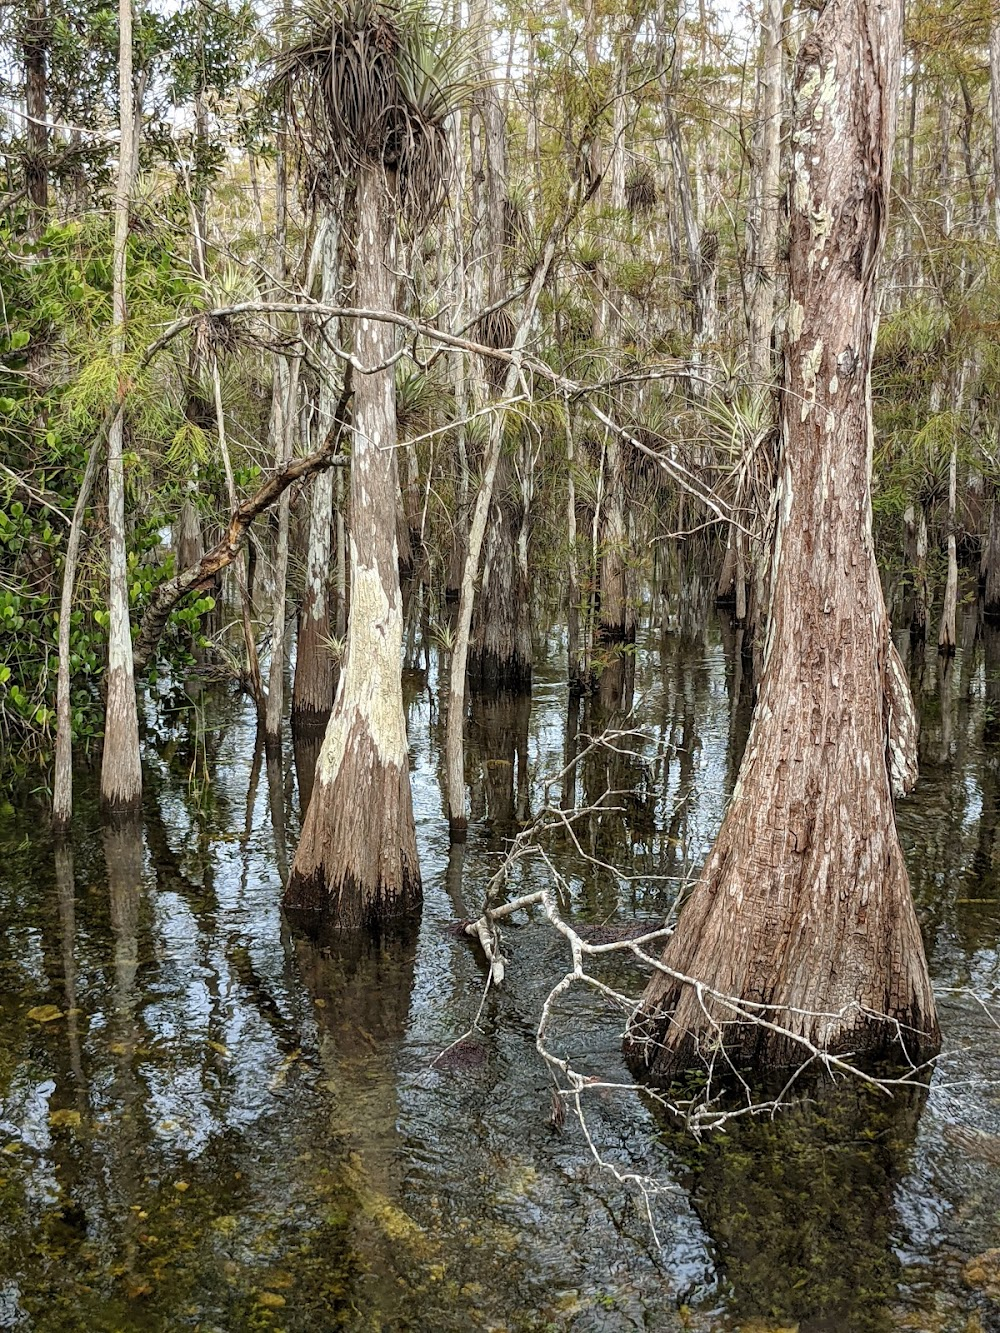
(209, 1122)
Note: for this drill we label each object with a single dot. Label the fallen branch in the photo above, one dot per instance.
(198, 577)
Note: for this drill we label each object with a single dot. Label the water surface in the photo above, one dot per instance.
(209, 1122)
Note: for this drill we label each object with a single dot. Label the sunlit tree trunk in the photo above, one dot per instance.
(357, 855)
(121, 769)
(315, 670)
(804, 902)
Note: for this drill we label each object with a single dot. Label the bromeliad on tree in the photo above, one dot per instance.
(370, 89)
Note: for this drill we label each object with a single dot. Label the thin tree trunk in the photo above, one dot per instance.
(498, 654)
(357, 855)
(804, 903)
(946, 634)
(990, 568)
(995, 108)
(36, 135)
(121, 768)
(242, 585)
(574, 645)
(276, 679)
(62, 782)
(765, 206)
(454, 752)
(315, 669)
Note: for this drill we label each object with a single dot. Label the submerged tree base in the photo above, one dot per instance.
(356, 865)
(800, 939)
(659, 1050)
(308, 904)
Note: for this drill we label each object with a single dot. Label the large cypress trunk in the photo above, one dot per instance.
(804, 903)
(357, 855)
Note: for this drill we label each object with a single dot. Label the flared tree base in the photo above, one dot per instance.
(356, 864)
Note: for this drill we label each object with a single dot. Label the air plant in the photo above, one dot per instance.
(496, 329)
(368, 83)
(640, 190)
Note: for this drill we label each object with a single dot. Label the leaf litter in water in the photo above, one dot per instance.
(45, 1013)
(65, 1117)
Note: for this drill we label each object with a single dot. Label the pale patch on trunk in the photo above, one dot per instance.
(357, 855)
(374, 656)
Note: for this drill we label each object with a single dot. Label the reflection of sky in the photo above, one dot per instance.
(214, 1064)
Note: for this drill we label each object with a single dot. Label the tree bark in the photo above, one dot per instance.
(500, 651)
(995, 108)
(62, 780)
(315, 669)
(947, 641)
(990, 565)
(616, 613)
(804, 904)
(356, 860)
(121, 767)
(580, 193)
(36, 136)
(288, 420)
(764, 211)
(231, 550)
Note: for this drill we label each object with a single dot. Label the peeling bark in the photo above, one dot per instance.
(804, 902)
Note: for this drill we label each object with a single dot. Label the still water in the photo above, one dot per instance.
(209, 1122)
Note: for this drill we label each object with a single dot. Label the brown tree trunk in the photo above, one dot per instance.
(357, 855)
(500, 651)
(36, 135)
(804, 903)
(616, 616)
(990, 567)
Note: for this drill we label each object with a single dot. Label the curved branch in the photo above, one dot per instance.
(196, 578)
